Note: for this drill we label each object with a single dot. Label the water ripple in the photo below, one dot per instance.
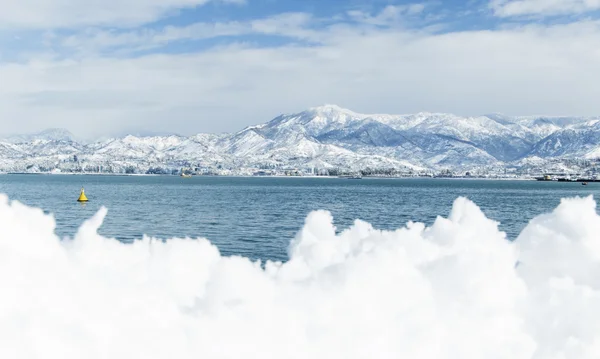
(257, 217)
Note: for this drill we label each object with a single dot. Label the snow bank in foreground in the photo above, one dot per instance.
(458, 289)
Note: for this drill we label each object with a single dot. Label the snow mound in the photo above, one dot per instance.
(457, 289)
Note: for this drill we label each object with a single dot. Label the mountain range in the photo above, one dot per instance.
(327, 137)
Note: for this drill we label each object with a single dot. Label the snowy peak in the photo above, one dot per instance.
(51, 134)
(333, 111)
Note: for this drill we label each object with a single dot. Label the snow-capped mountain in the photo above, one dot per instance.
(324, 137)
(579, 140)
(51, 134)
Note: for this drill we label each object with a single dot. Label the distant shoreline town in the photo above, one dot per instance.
(558, 177)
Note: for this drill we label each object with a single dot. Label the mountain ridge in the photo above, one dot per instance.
(327, 137)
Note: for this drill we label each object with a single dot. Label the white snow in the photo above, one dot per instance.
(330, 135)
(458, 289)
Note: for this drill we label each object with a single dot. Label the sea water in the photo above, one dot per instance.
(256, 217)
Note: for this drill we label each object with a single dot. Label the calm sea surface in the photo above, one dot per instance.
(257, 217)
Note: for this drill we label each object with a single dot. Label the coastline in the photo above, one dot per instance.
(252, 176)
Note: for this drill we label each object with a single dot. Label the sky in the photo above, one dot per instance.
(111, 67)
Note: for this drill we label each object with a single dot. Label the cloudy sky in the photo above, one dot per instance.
(106, 67)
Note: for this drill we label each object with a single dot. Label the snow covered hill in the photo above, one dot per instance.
(325, 137)
(51, 134)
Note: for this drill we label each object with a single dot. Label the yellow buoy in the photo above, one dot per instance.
(82, 197)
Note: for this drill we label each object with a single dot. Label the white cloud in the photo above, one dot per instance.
(521, 70)
(43, 14)
(294, 25)
(508, 8)
(391, 14)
